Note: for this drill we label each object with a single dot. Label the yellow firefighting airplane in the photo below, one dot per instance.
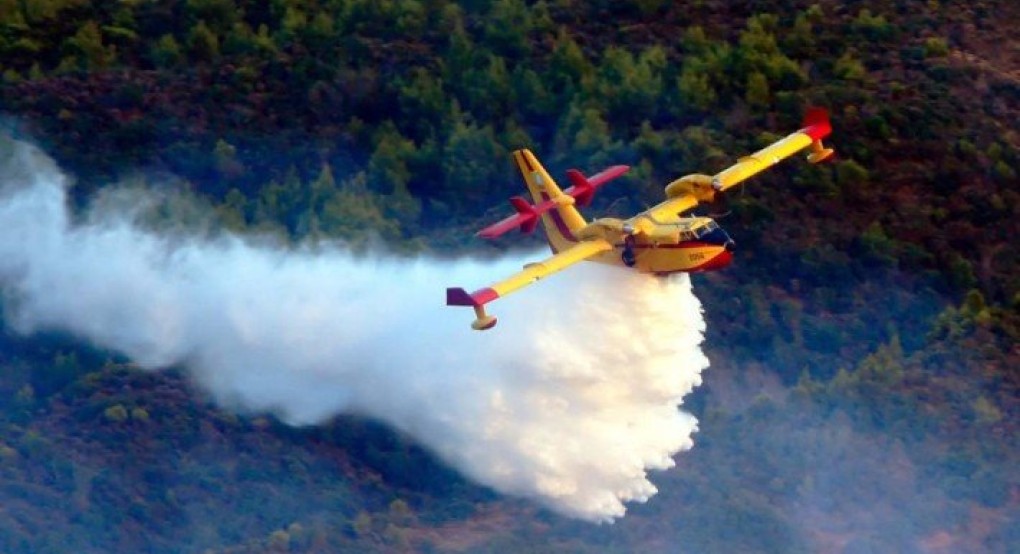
(659, 240)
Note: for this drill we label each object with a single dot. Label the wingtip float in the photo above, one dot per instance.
(477, 300)
(658, 241)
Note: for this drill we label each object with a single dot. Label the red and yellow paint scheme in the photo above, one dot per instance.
(659, 241)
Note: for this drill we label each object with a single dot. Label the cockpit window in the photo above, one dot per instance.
(706, 229)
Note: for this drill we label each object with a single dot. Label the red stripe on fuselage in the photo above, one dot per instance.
(718, 261)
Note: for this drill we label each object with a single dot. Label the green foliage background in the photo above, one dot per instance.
(864, 345)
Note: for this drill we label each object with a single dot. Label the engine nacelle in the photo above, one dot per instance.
(696, 184)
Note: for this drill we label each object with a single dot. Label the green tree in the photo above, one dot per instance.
(568, 67)
(139, 414)
(649, 142)
(935, 47)
(356, 214)
(225, 160)
(584, 134)
(295, 21)
(362, 524)
(800, 40)
(757, 93)
(64, 370)
(986, 412)
(851, 175)
(695, 88)
(507, 27)
(759, 51)
(1003, 172)
(873, 27)
(400, 513)
(877, 247)
(388, 167)
(472, 159)
(279, 541)
(486, 90)
(631, 87)
(116, 413)
(960, 271)
(974, 303)
(694, 40)
(423, 104)
(219, 15)
(232, 210)
(411, 18)
(87, 45)
(849, 68)
(319, 36)
(281, 203)
(321, 189)
(239, 40)
(529, 94)
(11, 13)
(460, 57)
(166, 52)
(203, 44)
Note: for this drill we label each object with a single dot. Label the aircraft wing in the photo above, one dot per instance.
(816, 126)
(671, 208)
(530, 274)
(699, 188)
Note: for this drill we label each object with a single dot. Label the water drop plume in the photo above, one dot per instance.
(571, 400)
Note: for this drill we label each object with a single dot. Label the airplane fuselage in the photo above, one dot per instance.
(691, 244)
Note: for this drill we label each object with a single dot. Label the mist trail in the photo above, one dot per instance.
(570, 401)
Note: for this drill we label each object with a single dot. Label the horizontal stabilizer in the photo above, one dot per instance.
(526, 219)
(529, 214)
(584, 188)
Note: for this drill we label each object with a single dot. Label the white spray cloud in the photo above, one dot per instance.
(570, 400)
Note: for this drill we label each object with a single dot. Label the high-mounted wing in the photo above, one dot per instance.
(816, 126)
(531, 273)
(705, 188)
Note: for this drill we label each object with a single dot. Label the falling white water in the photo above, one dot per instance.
(570, 400)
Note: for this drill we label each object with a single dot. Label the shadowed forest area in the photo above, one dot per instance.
(864, 391)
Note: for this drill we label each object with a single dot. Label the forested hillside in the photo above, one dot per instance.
(864, 389)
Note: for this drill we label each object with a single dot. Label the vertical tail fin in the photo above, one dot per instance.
(561, 223)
